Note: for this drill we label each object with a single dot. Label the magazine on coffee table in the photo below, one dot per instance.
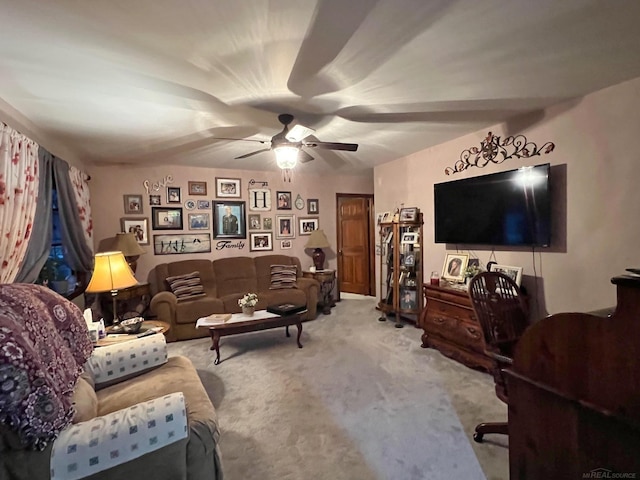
(214, 319)
(286, 309)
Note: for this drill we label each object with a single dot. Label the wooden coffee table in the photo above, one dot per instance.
(261, 320)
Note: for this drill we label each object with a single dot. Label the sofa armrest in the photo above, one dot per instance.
(120, 361)
(311, 289)
(104, 442)
(163, 305)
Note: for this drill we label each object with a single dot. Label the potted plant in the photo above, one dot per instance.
(248, 303)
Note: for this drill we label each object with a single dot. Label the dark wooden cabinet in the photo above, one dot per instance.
(451, 327)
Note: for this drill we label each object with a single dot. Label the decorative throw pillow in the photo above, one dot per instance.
(283, 276)
(186, 286)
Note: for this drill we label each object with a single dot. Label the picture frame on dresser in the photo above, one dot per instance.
(454, 267)
(514, 273)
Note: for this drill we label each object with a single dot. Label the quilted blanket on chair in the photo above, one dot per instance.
(44, 344)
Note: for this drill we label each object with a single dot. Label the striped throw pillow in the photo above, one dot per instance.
(186, 286)
(283, 276)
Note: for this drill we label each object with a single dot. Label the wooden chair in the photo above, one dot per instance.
(502, 313)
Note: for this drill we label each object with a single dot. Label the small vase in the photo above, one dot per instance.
(248, 311)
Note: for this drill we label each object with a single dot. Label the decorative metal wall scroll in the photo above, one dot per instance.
(493, 150)
(181, 243)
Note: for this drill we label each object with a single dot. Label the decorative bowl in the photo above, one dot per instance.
(132, 325)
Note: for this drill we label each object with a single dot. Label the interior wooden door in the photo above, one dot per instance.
(355, 244)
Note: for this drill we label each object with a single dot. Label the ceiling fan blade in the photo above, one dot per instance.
(304, 157)
(253, 153)
(243, 139)
(350, 147)
(298, 132)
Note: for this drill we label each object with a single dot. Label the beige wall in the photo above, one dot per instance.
(109, 184)
(595, 173)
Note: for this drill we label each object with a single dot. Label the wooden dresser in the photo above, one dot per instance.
(450, 326)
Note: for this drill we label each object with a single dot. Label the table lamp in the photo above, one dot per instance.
(110, 274)
(130, 248)
(318, 241)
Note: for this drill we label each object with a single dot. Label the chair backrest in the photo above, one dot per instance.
(500, 309)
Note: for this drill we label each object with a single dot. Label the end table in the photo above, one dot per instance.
(327, 280)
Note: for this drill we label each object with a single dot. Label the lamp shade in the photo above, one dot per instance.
(317, 239)
(127, 244)
(110, 273)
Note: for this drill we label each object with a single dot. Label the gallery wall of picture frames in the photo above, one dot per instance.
(224, 216)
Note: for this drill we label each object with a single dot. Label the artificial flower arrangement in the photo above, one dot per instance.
(249, 300)
(472, 271)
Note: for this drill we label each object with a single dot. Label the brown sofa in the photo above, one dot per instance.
(225, 281)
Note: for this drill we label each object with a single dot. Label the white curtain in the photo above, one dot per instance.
(19, 179)
(79, 180)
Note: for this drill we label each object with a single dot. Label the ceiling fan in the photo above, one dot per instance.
(288, 144)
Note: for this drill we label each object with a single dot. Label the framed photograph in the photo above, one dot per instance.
(166, 218)
(137, 226)
(198, 221)
(204, 204)
(455, 265)
(408, 299)
(313, 207)
(307, 225)
(190, 204)
(285, 244)
(409, 214)
(229, 219)
(410, 237)
(228, 188)
(514, 273)
(197, 188)
(284, 200)
(267, 223)
(386, 217)
(285, 226)
(254, 221)
(173, 195)
(259, 200)
(410, 259)
(132, 203)
(175, 244)
(154, 200)
(379, 218)
(260, 241)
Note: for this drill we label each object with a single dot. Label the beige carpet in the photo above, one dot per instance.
(362, 400)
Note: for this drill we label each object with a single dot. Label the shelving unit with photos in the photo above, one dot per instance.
(401, 267)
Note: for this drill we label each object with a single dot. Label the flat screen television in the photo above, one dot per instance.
(508, 208)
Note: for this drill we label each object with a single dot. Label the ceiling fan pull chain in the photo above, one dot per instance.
(287, 174)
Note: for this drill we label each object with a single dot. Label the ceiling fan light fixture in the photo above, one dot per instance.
(286, 156)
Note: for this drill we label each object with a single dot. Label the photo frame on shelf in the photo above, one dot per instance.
(199, 221)
(138, 226)
(514, 273)
(313, 206)
(228, 187)
(454, 267)
(307, 225)
(409, 214)
(229, 219)
(410, 259)
(166, 218)
(410, 237)
(132, 204)
(174, 195)
(386, 217)
(284, 200)
(197, 188)
(285, 226)
(408, 299)
(260, 241)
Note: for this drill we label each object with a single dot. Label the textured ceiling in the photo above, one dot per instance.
(160, 81)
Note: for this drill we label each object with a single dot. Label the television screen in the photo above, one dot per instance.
(506, 208)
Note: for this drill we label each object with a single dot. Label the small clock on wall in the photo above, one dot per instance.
(299, 203)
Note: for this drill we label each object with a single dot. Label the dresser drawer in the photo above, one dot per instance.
(458, 312)
(464, 334)
(448, 296)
